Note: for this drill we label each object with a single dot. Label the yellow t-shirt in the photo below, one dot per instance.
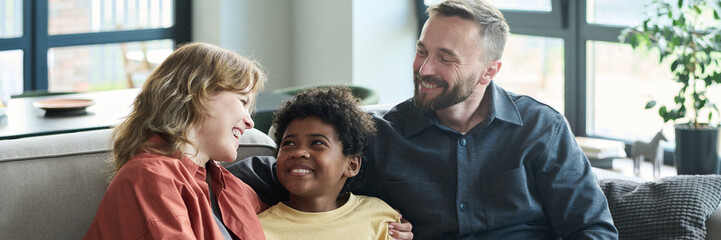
(361, 217)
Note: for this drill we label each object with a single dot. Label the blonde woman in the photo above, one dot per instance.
(192, 110)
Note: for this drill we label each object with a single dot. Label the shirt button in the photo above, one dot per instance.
(462, 206)
(462, 142)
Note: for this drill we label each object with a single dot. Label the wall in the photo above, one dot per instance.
(259, 29)
(384, 40)
(322, 42)
(363, 42)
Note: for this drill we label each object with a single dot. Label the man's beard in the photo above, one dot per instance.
(447, 98)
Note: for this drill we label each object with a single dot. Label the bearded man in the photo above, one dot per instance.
(465, 159)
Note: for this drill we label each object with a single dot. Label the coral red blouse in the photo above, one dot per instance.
(160, 197)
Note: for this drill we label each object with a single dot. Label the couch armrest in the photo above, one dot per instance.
(52, 185)
(713, 225)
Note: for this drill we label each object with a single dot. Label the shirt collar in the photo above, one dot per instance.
(502, 108)
(216, 173)
(198, 171)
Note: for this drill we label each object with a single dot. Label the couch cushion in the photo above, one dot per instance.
(52, 185)
(255, 143)
(672, 208)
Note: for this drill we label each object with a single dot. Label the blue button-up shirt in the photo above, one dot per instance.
(519, 174)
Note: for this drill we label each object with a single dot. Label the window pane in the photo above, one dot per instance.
(11, 71)
(81, 16)
(431, 2)
(11, 18)
(104, 67)
(528, 5)
(620, 83)
(615, 12)
(534, 66)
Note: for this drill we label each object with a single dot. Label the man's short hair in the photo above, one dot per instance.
(494, 29)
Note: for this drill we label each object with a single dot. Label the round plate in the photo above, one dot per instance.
(63, 104)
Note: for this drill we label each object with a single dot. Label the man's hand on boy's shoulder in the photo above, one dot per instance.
(401, 230)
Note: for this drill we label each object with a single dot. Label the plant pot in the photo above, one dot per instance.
(697, 150)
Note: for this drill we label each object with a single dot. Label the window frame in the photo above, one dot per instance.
(36, 42)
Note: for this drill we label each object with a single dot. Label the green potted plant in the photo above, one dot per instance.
(687, 36)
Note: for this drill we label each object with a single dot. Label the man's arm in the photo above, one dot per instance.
(572, 198)
(259, 173)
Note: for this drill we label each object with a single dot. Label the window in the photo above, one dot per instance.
(534, 66)
(619, 83)
(615, 12)
(578, 66)
(524, 5)
(11, 18)
(86, 45)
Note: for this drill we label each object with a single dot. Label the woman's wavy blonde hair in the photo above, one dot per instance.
(175, 96)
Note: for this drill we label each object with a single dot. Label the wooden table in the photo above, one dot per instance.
(111, 107)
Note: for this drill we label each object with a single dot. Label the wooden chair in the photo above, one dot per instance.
(135, 67)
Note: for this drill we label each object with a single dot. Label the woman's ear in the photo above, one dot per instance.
(354, 166)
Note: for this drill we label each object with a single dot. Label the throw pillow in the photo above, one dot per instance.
(672, 208)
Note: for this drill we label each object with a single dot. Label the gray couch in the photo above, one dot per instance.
(50, 186)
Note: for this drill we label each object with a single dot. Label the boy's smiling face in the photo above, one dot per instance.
(311, 164)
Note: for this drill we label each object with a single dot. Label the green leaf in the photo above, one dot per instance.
(680, 3)
(650, 104)
(675, 41)
(716, 6)
(683, 78)
(679, 99)
(707, 60)
(680, 112)
(700, 103)
(664, 114)
(674, 65)
(634, 40)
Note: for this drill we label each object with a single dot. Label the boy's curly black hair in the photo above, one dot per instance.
(335, 106)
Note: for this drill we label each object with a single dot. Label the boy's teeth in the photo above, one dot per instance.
(300, 170)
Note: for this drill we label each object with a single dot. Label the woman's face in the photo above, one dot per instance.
(311, 163)
(218, 135)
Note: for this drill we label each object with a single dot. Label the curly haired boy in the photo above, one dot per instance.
(321, 133)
